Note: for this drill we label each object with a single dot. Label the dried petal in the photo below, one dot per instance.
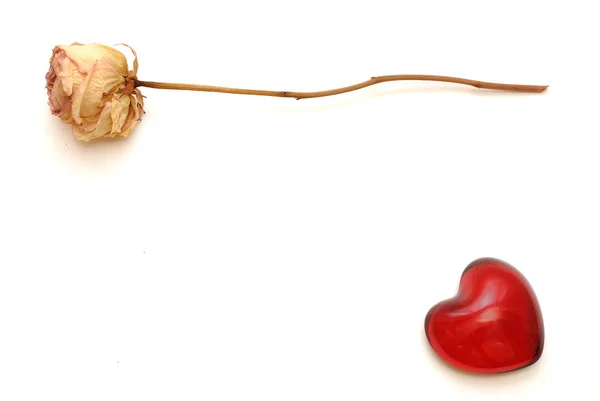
(119, 112)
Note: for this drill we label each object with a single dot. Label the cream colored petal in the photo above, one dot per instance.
(67, 73)
(102, 81)
(88, 124)
(104, 69)
(125, 133)
(103, 127)
(120, 110)
(131, 121)
(60, 105)
(85, 56)
(136, 64)
(139, 97)
(77, 98)
(104, 123)
(80, 135)
(138, 108)
(57, 98)
(65, 115)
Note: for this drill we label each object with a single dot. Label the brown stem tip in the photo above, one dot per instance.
(331, 92)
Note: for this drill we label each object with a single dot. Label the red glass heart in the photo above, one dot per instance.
(493, 324)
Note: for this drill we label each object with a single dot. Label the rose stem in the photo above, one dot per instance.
(372, 81)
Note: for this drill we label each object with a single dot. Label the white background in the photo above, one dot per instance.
(246, 248)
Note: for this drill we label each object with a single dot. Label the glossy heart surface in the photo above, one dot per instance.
(494, 323)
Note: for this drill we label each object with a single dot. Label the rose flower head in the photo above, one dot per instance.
(91, 87)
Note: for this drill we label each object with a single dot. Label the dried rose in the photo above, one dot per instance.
(91, 87)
